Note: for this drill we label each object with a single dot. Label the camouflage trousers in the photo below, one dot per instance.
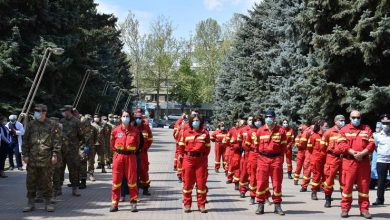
(72, 159)
(91, 158)
(57, 178)
(101, 152)
(39, 178)
(108, 154)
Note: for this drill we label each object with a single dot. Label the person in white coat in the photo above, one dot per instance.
(16, 132)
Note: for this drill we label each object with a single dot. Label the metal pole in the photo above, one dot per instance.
(116, 100)
(97, 110)
(39, 82)
(81, 85)
(34, 83)
(127, 102)
(82, 88)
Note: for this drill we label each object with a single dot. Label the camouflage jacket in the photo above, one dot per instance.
(98, 133)
(71, 133)
(106, 135)
(88, 131)
(40, 141)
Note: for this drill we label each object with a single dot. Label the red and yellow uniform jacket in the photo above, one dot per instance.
(357, 139)
(271, 141)
(290, 136)
(218, 136)
(315, 144)
(246, 134)
(329, 139)
(251, 140)
(233, 139)
(195, 141)
(176, 128)
(125, 139)
(304, 138)
(297, 139)
(147, 135)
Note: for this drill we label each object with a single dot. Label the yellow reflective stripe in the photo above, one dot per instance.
(247, 142)
(327, 186)
(131, 186)
(318, 140)
(115, 202)
(262, 192)
(283, 142)
(363, 135)
(252, 187)
(243, 184)
(309, 145)
(314, 184)
(187, 191)
(306, 178)
(145, 134)
(350, 134)
(363, 195)
(150, 139)
(201, 191)
(116, 186)
(342, 139)
(333, 138)
(190, 138)
(371, 140)
(264, 137)
(303, 139)
(236, 178)
(288, 133)
(220, 135)
(119, 147)
(347, 195)
(131, 147)
(181, 143)
(277, 194)
(289, 164)
(144, 182)
(217, 162)
(208, 145)
(324, 143)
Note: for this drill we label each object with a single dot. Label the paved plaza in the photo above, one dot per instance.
(165, 202)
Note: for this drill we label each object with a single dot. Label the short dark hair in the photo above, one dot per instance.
(192, 119)
(259, 118)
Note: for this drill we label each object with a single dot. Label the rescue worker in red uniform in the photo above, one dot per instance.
(125, 140)
(195, 146)
(333, 160)
(233, 137)
(252, 158)
(143, 155)
(356, 143)
(176, 128)
(318, 157)
(228, 151)
(272, 143)
(220, 148)
(304, 143)
(290, 141)
(246, 133)
(301, 152)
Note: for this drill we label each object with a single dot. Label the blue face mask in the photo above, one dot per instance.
(125, 120)
(258, 124)
(269, 121)
(386, 128)
(138, 121)
(37, 115)
(356, 122)
(195, 124)
(341, 124)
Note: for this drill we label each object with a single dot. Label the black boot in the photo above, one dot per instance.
(278, 209)
(314, 195)
(236, 186)
(146, 191)
(289, 175)
(133, 206)
(83, 184)
(260, 209)
(242, 195)
(303, 190)
(378, 202)
(228, 181)
(328, 202)
(252, 201)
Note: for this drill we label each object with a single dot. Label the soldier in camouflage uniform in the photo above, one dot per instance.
(71, 139)
(98, 146)
(57, 191)
(85, 148)
(106, 142)
(41, 145)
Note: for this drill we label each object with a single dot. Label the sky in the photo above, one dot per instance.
(184, 14)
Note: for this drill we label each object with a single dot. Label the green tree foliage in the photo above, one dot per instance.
(90, 40)
(308, 59)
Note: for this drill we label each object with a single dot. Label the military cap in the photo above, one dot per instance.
(104, 117)
(110, 115)
(96, 116)
(116, 116)
(338, 117)
(40, 107)
(385, 120)
(88, 116)
(270, 112)
(66, 108)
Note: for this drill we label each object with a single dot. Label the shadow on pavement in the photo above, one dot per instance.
(302, 212)
(227, 210)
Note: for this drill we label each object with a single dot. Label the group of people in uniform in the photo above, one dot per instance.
(52, 144)
(253, 151)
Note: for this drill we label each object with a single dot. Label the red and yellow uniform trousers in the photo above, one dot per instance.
(317, 161)
(271, 147)
(124, 142)
(307, 163)
(300, 158)
(220, 148)
(144, 160)
(233, 138)
(176, 132)
(290, 140)
(245, 166)
(195, 146)
(333, 161)
(359, 139)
